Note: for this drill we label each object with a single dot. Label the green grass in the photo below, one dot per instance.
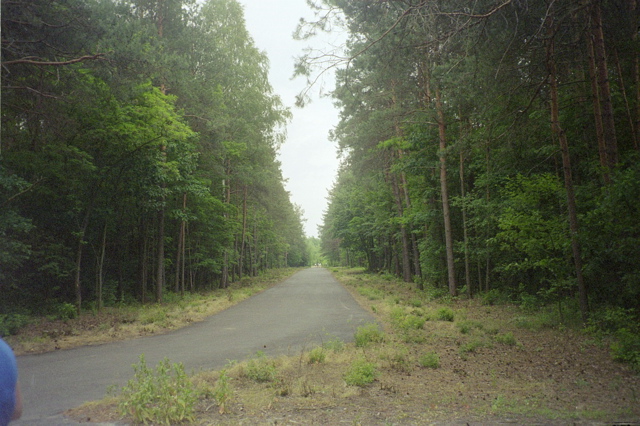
(430, 360)
(360, 373)
(368, 334)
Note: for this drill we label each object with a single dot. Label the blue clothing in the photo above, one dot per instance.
(8, 380)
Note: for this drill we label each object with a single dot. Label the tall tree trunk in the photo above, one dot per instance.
(467, 271)
(448, 233)
(406, 263)
(100, 268)
(611, 143)
(179, 284)
(559, 132)
(244, 231)
(597, 111)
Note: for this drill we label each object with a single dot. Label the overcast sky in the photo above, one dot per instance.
(308, 158)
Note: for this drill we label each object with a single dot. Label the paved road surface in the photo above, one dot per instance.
(303, 310)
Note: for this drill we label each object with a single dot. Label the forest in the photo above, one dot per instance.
(138, 154)
(489, 146)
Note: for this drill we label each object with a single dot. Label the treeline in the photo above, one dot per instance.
(138, 153)
(490, 145)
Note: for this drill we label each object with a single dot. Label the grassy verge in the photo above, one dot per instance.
(434, 359)
(130, 321)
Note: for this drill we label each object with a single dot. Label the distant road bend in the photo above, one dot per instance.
(302, 310)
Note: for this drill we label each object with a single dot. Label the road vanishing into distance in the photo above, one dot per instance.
(306, 309)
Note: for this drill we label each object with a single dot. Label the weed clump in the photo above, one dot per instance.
(506, 339)
(368, 334)
(260, 368)
(360, 373)
(445, 314)
(317, 355)
(430, 360)
(165, 395)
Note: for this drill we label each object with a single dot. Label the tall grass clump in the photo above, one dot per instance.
(164, 396)
(368, 334)
(260, 368)
(360, 373)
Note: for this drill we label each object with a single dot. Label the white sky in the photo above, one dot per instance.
(309, 161)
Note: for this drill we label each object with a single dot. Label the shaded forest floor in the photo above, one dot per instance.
(130, 321)
(441, 361)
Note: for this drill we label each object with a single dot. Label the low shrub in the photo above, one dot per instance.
(66, 311)
(317, 355)
(222, 391)
(445, 314)
(360, 373)
(430, 360)
(368, 334)
(260, 368)
(626, 348)
(165, 395)
(335, 345)
(506, 339)
(11, 323)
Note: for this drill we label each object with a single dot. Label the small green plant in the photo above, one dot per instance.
(626, 348)
(165, 395)
(415, 302)
(368, 334)
(370, 293)
(445, 314)
(11, 323)
(360, 373)
(430, 360)
(260, 368)
(412, 322)
(66, 311)
(469, 347)
(506, 339)
(317, 355)
(222, 391)
(335, 345)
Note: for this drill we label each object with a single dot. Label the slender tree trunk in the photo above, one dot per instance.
(467, 271)
(100, 274)
(179, 284)
(448, 233)
(559, 132)
(611, 143)
(597, 112)
(406, 263)
(244, 232)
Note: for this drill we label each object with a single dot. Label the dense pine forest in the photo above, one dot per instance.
(138, 154)
(489, 146)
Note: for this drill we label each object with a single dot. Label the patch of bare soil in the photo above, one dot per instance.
(496, 366)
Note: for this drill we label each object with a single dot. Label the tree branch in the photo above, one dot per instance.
(54, 63)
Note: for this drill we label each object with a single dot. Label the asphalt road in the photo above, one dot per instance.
(304, 310)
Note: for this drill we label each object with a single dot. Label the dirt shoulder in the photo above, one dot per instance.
(495, 364)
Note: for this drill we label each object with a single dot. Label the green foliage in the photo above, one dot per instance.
(368, 334)
(430, 360)
(317, 355)
(11, 323)
(335, 345)
(626, 348)
(222, 392)
(260, 368)
(371, 293)
(445, 314)
(164, 396)
(360, 373)
(506, 339)
(66, 311)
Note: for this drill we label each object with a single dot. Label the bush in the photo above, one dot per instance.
(335, 345)
(368, 334)
(445, 314)
(260, 368)
(66, 311)
(317, 355)
(626, 348)
(412, 322)
(506, 339)
(360, 373)
(430, 360)
(11, 323)
(164, 396)
(222, 391)
(492, 297)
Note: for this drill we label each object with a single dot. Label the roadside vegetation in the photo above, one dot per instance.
(63, 329)
(429, 358)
